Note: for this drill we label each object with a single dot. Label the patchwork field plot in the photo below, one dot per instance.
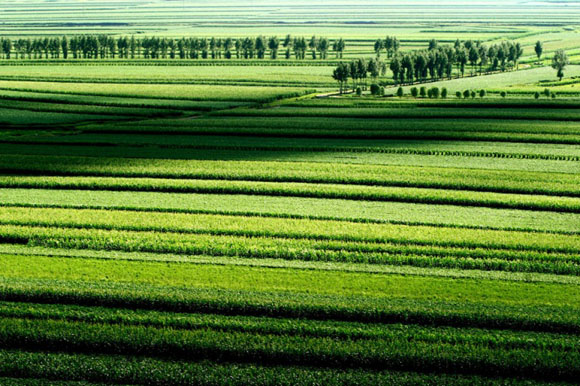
(238, 222)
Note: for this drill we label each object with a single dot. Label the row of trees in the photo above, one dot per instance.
(359, 71)
(107, 47)
(439, 61)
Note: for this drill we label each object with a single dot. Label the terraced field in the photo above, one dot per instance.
(187, 234)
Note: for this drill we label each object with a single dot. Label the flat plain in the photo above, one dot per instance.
(215, 221)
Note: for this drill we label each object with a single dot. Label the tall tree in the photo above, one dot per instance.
(539, 48)
(341, 74)
(559, 62)
(312, 45)
(273, 45)
(379, 45)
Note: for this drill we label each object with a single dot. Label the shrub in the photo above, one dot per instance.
(423, 92)
(553, 95)
(358, 91)
(400, 92)
(537, 95)
(414, 92)
(435, 92)
(375, 89)
(503, 94)
(430, 93)
(482, 93)
(444, 93)
(547, 92)
(466, 93)
(458, 94)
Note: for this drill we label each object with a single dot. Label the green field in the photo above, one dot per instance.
(208, 222)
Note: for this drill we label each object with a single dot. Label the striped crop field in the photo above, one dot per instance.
(239, 221)
(343, 242)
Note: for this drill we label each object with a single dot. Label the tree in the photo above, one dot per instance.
(313, 44)
(341, 74)
(473, 57)
(396, 69)
(322, 47)
(373, 68)
(414, 92)
(433, 44)
(537, 95)
(462, 61)
(400, 92)
(547, 92)
(539, 49)
(64, 46)
(559, 62)
(482, 93)
(466, 94)
(338, 47)
(458, 94)
(273, 45)
(379, 45)
(503, 94)
(423, 92)
(261, 47)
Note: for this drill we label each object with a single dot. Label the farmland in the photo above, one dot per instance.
(238, 221)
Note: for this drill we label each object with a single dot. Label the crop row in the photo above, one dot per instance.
(396, 353)
(29, 119)
(501, 339)
(138, 370)
(463, 135)
(328, 125)
(291, 293)
(311, 172)
(364, 158)
(293, 249)
(299, 207)
(301, 145)
(413, 113)
(450, 103)
(140, 103)
(290, 229)
(350, 192)
(160, 91)
(86, 109)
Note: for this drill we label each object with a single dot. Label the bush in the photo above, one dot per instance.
(415, 92)
(423, 92)
(435, 92)
(458, 94)
(375, 89)
(553, 95)
(482, 93)
(444, 93)
(400, 92)
(537, 95)
(358, 91)
(466, 93)
(547, 92)
(503, 94)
